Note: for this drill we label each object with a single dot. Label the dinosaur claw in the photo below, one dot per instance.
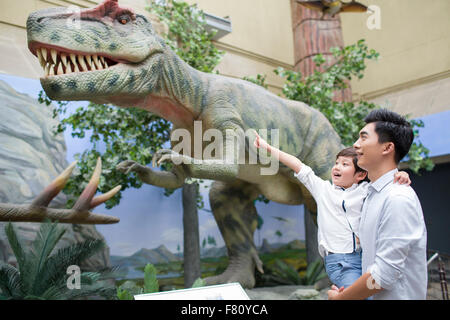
(84, 201)
(104, 197)
(79, 214)
(52, 190)
(164, 158)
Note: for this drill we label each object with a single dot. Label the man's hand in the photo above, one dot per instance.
(334, 292)
(402, 177)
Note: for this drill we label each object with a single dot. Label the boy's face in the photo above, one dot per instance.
(343, 172)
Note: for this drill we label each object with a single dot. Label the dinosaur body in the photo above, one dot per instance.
(143, 72)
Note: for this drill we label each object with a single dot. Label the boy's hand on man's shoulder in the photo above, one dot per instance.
(402, 177)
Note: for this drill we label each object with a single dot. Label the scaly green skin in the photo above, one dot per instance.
(150, 76)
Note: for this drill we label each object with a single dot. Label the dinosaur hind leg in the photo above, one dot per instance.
(235, 213)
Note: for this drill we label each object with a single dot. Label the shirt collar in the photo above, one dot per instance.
(343, 189)
(382, 181)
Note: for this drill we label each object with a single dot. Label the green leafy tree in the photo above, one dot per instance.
(279, 234)
(188, 35)
(41, 272)
(204, 243)
(211, 241)
(347, 118)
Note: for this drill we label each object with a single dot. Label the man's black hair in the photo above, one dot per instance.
(392, 127)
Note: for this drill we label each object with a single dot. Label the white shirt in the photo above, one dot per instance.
(334, 233)
(393, 240)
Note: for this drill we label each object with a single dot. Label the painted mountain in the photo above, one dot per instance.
(140, 258)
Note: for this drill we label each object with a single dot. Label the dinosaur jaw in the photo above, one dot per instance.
(70, 75)
(57, 61)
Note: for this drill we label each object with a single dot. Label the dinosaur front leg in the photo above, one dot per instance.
(224, 167)
(163, 179)
(235, 213)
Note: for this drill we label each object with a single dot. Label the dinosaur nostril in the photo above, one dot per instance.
(38, 20)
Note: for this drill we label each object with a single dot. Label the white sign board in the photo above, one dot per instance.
(229, 291)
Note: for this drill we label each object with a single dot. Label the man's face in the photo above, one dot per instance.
(369, 150)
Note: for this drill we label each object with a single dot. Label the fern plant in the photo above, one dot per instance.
(43, 275)
(282, 273)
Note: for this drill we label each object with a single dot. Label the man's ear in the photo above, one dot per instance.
(360, 175)
(388, 147)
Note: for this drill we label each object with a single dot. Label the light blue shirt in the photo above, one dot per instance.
(393, 240)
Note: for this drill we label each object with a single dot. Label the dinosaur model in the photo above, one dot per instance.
(114, 56)
(38, 210)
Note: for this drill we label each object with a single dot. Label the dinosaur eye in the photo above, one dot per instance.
(124, 19)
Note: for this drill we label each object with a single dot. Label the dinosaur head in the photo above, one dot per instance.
(95, 54)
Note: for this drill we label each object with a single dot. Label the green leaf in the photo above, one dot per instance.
(10, 284)
(199, 282)
(150, 282)
(16, 246)
(123, 294)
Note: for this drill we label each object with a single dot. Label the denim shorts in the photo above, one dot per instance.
(343, 269)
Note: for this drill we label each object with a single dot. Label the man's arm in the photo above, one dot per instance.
(399, 227)
(361, 289)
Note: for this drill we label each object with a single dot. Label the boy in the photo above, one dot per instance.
(393, 232)
(339, 209)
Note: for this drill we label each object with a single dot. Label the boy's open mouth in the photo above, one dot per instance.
(337, 175)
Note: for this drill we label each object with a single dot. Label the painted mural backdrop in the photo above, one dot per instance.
(150, 228)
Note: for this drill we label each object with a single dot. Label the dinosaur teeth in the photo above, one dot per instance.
(44, 54)
(42, 62)
(52, 71)
(64, 59)
(54, 55)
(97, 62)
(59, 63)
(82, 63)
(88, 61)
(59, 69)
(72, 58)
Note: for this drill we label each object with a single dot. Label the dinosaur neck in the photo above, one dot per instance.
(178, 97)
(175, 96)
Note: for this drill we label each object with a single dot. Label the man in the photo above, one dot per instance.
(392, 229)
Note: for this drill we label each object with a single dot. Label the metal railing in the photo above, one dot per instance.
(438, 265)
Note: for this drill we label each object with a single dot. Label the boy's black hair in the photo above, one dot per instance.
(392, 127)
